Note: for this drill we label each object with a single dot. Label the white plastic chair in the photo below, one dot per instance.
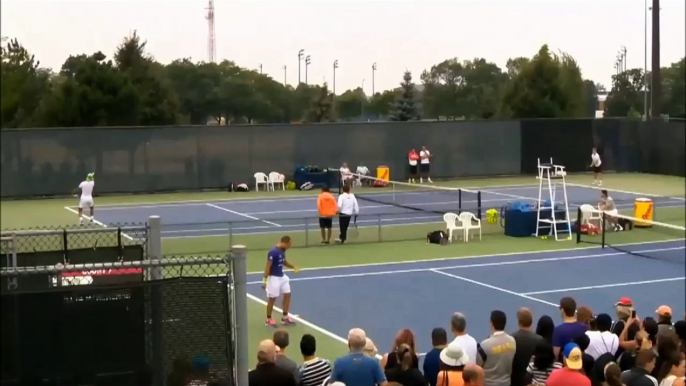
(261, 178)
(452, 224)
(469, 221)
(589, 214)
(276, 178)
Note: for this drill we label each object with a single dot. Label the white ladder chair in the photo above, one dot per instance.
(261, 178)
(470, 221)
(553, 175)
(276, 178)
(451, 224)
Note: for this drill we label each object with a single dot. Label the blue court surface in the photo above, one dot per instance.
(384, 298)
(278, 215)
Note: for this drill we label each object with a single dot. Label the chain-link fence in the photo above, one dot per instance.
(123, 321)
(73, 245)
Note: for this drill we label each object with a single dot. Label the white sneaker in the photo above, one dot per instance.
(600, 183)
(429, 179)
(421, 180)
(81, 221)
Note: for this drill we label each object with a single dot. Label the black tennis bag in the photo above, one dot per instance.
(437, 237)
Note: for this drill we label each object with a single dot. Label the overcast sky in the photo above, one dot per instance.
(395, 34)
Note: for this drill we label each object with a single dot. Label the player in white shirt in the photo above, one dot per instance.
(595, 166)
(425, 165)
(347, 207)
(86, 200)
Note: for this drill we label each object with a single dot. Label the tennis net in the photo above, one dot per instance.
(413, 197)
(632, 235)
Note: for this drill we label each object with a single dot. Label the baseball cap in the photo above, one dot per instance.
(664, 311)
(626, 302)
(572, 354)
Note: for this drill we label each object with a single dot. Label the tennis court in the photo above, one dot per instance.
(421, 295)
(357, 284)
(287, 215)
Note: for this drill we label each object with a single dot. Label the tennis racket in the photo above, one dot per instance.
(354, 232)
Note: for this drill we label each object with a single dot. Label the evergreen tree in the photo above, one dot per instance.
(404, 109)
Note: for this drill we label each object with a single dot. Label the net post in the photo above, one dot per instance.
(578, 227)
(65, 245)
(459, 201)
(478, 201)
(120, 248)
(230, 234)
(156, 299)
(239, 257)
(378, 225)
(603, 228)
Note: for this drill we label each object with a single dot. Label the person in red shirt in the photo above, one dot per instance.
(413, 159)
(570, 374)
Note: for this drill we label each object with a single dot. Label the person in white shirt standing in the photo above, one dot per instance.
(86, 200)
(425, 167)
(602, 340)
(347, 207)
(595, 166)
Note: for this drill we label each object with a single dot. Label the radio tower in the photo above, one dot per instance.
(211, 48)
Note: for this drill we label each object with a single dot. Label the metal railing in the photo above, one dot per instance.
(132, 317)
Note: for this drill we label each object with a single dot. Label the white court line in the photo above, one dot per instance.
(508, 254)
(477, 265)
(605, 286)
(305, 322)
(625, 191)
(495, 288)
(242, 214)
(96, 222)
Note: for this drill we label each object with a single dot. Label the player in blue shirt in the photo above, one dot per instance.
(276, 282)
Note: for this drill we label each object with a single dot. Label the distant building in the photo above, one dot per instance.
(600, 107)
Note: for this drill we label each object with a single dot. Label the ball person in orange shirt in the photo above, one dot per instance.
(328, 208)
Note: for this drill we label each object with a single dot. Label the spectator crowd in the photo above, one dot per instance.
(586, 349)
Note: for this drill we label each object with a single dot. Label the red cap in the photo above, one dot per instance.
(626, 302)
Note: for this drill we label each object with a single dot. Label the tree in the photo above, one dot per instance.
(548, 86)
(93, 93)
(381, 103)
(626, 93)
(405, 110)
(591, 98)
(674, 89)
(23, 84)
(469, 89)
(159, 102)
(352, 104)
(321, 107)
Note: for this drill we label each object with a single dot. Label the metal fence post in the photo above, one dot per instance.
(240, 269)
(379, 227)
(307, 232)
(156, 274)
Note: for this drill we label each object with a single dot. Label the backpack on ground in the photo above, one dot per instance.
(437, 237)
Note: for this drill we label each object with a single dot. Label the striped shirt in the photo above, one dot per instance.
(540, 376)
(314, 372)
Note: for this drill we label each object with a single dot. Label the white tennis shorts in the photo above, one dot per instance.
(278, 285)
(86, 202)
